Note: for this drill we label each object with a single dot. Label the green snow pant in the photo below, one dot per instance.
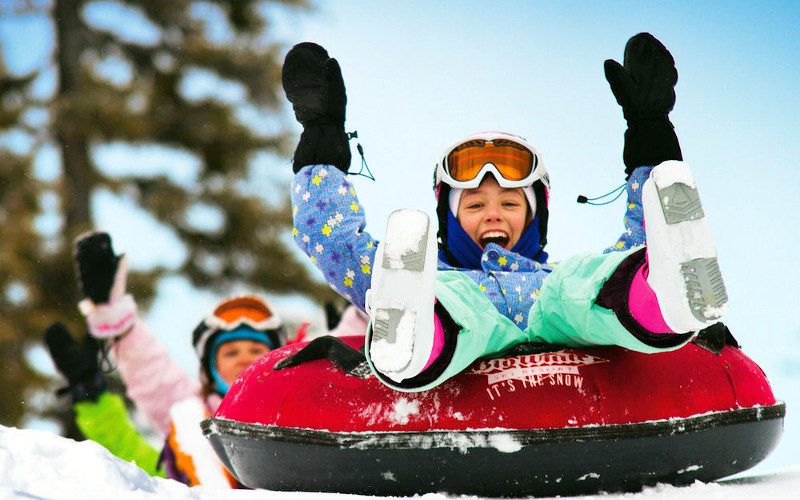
(106, 422)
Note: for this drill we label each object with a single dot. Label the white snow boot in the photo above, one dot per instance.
(401, 298)
(683, 269)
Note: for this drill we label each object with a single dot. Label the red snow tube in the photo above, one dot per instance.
(571, 421)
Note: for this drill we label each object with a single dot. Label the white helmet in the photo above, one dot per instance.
(512, 160)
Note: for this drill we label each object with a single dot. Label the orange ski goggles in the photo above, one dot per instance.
(513, 161)
(243, 310)
(230, 314)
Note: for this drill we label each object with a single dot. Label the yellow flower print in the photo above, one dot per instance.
(365, 264)
(348, 279)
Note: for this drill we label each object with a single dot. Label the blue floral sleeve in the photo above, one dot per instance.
(634, 215)
(329, 227)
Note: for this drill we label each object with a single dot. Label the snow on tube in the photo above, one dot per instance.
(571, 421)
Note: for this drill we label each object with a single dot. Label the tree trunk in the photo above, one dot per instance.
(76, 165)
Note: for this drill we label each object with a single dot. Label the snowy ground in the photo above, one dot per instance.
(40, 465)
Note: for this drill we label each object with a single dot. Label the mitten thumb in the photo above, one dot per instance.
(621, 83)
(67, 354)
(120, 282)
(334, 97)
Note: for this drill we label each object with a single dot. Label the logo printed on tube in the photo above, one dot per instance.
(534, 371)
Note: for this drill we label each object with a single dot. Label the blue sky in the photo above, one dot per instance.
(422, 74)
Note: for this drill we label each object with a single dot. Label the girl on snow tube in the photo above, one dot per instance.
(650, 292)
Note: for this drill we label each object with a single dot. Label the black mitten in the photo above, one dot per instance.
(96, 264)
(644, 85)
(313, 83)
(76, 362)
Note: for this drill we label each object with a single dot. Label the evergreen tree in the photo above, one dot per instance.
(123, 77)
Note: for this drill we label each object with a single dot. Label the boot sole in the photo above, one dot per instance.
(686, 236)
(705, 290)
(402, 295)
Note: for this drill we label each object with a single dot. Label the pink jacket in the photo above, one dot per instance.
(154, 380)
(353, 322)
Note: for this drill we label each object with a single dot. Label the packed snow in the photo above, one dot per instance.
(410, 227)
(394, 356)
(403, 409)
(39, 464)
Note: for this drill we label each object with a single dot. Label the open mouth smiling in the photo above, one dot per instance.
(499, 237)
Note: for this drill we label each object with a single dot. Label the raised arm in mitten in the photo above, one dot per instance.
(109, 311)
(153, 379)
(644, 85)
(313, 83)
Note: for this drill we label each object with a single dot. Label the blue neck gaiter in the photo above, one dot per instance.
(463, 248)
(528, 244)
(468, 253)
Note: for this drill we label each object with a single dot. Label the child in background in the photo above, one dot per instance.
(237, 332)
(494, 288)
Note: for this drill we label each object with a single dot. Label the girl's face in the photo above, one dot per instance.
(234, 356)
(493, 214)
